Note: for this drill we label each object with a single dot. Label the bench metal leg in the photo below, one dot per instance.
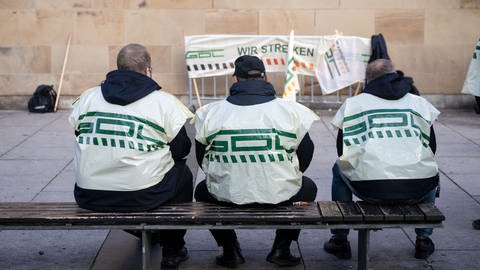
(363, 245)
(146, 249)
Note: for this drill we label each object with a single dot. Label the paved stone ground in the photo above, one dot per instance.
(36, 154)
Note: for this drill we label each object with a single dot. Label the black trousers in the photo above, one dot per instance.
(183, 193)
(226, 238)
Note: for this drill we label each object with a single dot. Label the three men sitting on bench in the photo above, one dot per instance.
(386, 147)
(253, 147)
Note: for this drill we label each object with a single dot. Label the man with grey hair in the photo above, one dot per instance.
(131, 146)
(386, 147)
(377, 68)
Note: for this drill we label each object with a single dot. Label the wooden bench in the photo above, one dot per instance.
(316, 215)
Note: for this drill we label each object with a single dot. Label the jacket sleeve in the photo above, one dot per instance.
(199, 152)
(433, 140)
(305, 152)
(340, 142)
(180, 145)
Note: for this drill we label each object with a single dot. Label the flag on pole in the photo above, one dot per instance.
(472, 80)
(292, 87)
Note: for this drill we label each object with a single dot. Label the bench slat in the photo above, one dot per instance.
(432, 213)
(350, 211)
(370, 212)
(392, 213)
(281, 214)
(412, 213)
(329, 211)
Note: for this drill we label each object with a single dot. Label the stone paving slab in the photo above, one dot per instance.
(12, 136)
(468, 182)
(459, 209)
(454, 259)
(64, 181)
(458, 165)
(126, 258)
(49, 250)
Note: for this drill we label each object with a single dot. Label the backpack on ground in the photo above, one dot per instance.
(43, 99)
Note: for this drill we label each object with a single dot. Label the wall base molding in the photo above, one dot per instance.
(320, 103)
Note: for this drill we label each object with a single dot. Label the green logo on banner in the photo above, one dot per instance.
(204, 54)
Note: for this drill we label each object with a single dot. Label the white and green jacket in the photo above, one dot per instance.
(125, 148)
(386, 147)
(250, 150)
(386, 139)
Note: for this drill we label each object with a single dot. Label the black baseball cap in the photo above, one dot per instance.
(248, 66)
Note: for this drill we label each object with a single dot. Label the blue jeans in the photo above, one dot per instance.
(341, 192)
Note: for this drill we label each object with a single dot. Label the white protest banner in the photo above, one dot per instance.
(472, 80)
(334, 60)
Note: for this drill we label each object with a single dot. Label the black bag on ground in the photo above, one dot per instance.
(43, 99)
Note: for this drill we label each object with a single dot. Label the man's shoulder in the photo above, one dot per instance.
(298, 109)
(160, 95)
(362, 96)
(92, 91)
(87, 94)
(367, 98)
(416, 97)
(215, 105)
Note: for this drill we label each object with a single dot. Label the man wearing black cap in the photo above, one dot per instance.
(253, 148)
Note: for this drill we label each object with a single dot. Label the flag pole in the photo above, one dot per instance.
(196, 92)
(63, 72)
(357, 89)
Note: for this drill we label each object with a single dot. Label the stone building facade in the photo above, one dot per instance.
(430, 40)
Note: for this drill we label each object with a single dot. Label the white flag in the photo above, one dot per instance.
(343, 63)
(292, 87)
(472, 80)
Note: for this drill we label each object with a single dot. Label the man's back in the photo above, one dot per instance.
(386, 139)
(252, 154)
(130, 139)
(119, 147)
(385, 145)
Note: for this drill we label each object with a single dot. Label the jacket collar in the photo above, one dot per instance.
(251, 92)
(123, 87)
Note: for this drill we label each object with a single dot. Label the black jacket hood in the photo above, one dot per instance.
(251, 92)
(123, 87)
(391, 86)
